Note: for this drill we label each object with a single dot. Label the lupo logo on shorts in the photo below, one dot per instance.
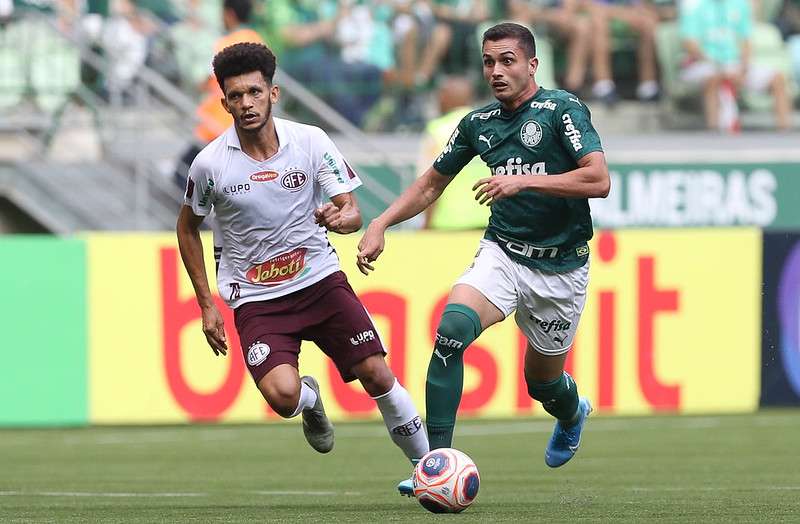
(257, 353)
(285, 266)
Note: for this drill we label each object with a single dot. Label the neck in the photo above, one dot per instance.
(512, 105)
(262, 144)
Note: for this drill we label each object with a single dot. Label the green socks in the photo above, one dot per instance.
(559, 398)
(458, 327)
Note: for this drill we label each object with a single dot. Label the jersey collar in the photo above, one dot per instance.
(523, 105)
(232, 139)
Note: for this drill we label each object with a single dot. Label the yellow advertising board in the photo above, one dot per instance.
(671, 324)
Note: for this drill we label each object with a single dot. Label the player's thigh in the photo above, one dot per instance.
(550, 307)
(347, 334)
(488, 286)
(268, 338)
(542, 368)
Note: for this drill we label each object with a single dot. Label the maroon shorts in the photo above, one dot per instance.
(327, 313)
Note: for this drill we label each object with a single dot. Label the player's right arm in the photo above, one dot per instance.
(197, 204)
(191, 248)
(421, 194)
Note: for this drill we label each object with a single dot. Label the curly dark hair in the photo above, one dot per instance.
(518, 32)
(239, 59)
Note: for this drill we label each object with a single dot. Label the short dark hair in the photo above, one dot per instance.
(239, 59)
(241, 8)
(518, 32)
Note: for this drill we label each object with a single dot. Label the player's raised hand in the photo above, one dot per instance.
(494, 188)
(329, 216)
(214, 330)
(370, 248)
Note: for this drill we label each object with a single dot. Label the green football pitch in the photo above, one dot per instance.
(668, 469)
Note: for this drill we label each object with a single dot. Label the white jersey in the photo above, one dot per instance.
(264, 211)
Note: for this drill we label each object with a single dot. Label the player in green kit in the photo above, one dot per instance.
(546, 161)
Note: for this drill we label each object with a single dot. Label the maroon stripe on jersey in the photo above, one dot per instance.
(350, 171)
(189, 188)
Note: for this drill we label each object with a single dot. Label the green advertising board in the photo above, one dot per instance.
(43, 309)
(699, 195)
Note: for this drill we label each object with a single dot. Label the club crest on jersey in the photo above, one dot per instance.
(294, 180)
(530, 133)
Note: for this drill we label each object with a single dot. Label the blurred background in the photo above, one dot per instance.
(694, 299)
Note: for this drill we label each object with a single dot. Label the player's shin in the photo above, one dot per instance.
(558, 397)
(308, 397)
(458, 327)
(403, 422)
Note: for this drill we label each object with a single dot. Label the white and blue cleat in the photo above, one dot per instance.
(406, 487)
(565, 441)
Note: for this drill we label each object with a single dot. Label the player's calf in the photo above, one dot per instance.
(397, 409)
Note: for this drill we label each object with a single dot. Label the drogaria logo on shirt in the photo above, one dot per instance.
(257, 353)
(572, 132)
(294, 180)
(276, 270)
(264, 176)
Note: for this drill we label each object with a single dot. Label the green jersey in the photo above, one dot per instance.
(546, 135)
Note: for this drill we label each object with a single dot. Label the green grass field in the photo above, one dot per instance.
(667, 469)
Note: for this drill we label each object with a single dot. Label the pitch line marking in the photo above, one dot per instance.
(95, 494)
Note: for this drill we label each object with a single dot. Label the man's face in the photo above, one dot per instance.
(249, 99)
(506, 68)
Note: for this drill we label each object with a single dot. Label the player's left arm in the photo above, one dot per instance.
(589, 180)
(340, 215)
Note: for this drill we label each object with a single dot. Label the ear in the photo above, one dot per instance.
(274, 94)
(533, 65)
(225, 105)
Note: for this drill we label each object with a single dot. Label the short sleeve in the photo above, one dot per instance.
(457, 153)
(334, 173)
(576, 132)
(199, 188)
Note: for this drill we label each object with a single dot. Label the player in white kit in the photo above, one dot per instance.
(268, 181)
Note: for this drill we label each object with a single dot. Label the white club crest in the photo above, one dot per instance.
(530, 133)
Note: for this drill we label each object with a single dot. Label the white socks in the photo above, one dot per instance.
(307, 399)
(403, 422)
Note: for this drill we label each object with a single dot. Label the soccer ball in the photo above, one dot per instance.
(446, 481)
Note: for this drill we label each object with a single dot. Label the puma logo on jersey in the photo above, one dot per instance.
(572, 99)
(488, 141)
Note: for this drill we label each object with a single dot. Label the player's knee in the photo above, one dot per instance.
(458, 327)
(282, 398)
(544, 391)
(374, 375)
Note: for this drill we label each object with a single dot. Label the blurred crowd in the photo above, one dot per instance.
(378, 62)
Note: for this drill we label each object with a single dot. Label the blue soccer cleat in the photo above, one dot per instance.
(406, 487)
(565, 441)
